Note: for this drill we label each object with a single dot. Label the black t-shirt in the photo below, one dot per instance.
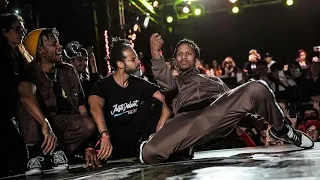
(121, 104)
(63, 103)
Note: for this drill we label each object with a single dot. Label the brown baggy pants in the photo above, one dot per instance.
(215, 121)
(71, 130)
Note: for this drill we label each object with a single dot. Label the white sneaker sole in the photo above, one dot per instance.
(304, 135)
(61, 167)
(33, 172)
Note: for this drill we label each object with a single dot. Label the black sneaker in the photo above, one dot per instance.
(35, 166)
(60, 161)
(293, 136)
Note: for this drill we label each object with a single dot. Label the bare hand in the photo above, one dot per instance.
(50, 140)
(156, 43)
(91, 158)
(105, 148)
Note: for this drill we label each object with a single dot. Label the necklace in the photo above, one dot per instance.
(54, 79)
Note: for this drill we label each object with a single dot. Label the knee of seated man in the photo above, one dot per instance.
(149, 153)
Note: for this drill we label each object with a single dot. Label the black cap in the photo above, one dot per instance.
(268, 55)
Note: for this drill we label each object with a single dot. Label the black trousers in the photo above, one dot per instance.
(125, 139)
(214, 121)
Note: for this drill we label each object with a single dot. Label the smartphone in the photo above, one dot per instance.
(281, 75)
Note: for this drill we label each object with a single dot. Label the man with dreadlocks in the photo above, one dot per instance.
(52, 107)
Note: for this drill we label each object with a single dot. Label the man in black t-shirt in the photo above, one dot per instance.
(122, 102)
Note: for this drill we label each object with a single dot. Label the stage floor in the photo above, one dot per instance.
(276, 162)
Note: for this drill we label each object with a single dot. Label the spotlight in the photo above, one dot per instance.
(186, 9)
(235, 9)
(197, 11)
(146, 20)
(233, 1)
(169, 19)
(289, 2)
(17, 11)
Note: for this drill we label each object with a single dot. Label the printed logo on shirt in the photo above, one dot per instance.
(125, 108)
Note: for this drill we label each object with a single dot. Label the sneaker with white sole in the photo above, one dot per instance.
(34, 166)
(293, 136)
(141, 147)
(60, 160)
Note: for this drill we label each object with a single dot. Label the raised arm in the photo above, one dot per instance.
(162, 73)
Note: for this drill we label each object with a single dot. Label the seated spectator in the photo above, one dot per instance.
(302, 59)
(52, 104)
(13, 57)
(269, 59)
(79, 57)
(250, 67)
(313, 129)
(229, 68)
(280, 84)
(121, 105)
(311, 84)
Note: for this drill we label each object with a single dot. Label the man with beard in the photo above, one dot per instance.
(52, 107)
(121, 105)
(205, 109)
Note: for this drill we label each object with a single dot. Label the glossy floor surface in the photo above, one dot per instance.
(277, 162)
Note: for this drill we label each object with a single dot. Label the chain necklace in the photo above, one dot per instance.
(54, 79)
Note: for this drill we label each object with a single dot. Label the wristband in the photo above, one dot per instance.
(104, 132)
(90, 148)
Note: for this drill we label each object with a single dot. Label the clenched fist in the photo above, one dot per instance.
(156, 43)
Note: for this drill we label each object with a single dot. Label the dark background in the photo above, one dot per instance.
(277, 29)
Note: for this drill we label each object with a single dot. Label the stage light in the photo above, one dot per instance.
(235, 9)
(289, 2)
(197, 11)
(169, 19)
(17, 11)
(186, 9)
(233, 1)
(135, 27)
(146, 20)
(155, 4)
